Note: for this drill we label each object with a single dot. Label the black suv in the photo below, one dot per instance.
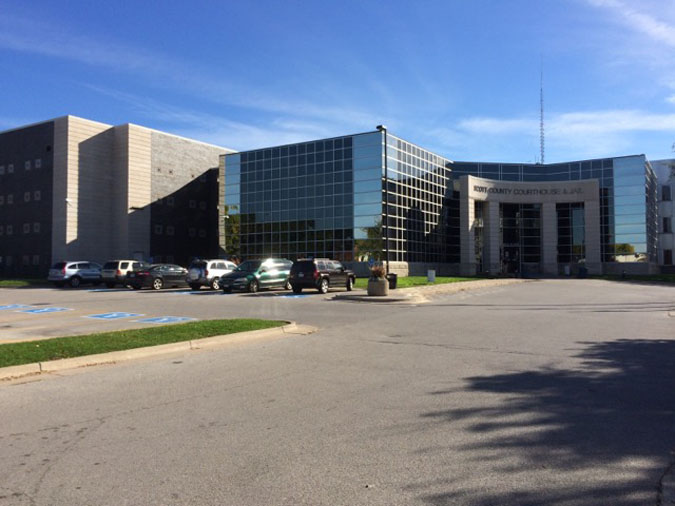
(320, 273)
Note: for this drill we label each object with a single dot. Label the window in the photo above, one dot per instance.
(2, 230)
(158, 229)
(666, 192)
(38, 163)
(2, 170)
(667, 257)
(667, 225)
(170, 201)
(26, 228)
(170, 230)
(36, 227)
(192, 232)
(202, 205)
(37, 195)
(26, 165)
(192, 204)
(26, 260)
(26, 197)
(10, 199)
(2, 200)
(10, 168)
(202, 233)
(36, 259)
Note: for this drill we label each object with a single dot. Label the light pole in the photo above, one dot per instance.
(226, 217)
(383, 129)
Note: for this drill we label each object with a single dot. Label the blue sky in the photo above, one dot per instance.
(460, 77)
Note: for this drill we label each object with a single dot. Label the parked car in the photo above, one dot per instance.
(253, 275)
(115, 271)
(320, 274)
(75, 273)
(158, 276)
(208, 273)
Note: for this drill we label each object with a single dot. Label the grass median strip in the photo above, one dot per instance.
(409, 281)
(91, 344)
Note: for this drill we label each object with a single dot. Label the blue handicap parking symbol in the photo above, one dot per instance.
(13, 306)
(165, 319)
(294, 296)
(112, 316)
(45, 310)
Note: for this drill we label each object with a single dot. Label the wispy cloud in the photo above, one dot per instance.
(641, 20)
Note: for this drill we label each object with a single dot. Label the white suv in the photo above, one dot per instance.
(115, 271)
(75, 273)
(208, 272)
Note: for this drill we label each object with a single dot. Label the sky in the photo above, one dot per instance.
(459, 77)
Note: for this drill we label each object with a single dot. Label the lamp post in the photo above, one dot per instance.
(226, 217)
(383, 129)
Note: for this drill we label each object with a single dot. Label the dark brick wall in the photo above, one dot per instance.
(26, 180)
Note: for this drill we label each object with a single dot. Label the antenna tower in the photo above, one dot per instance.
(541, 113)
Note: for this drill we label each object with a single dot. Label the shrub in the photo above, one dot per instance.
(377, 271)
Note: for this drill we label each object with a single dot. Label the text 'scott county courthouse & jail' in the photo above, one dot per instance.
(374, 195)
(71, 188)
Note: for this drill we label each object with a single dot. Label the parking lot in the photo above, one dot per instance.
(38, 313)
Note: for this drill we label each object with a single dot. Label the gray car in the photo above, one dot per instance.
(75, 273)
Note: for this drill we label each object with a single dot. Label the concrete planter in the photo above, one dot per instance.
(378, 286)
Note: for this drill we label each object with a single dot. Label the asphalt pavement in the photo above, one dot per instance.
(554, 392)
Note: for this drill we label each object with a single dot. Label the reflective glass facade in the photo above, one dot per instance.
(328, 198)
(359, 197)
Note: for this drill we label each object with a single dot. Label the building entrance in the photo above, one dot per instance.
(520, 226)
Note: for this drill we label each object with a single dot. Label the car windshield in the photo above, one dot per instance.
(198, 264)
(303, 266)
(249, 266)
(59, 265)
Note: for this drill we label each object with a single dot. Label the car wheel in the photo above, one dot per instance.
(297, 289)
(253, 286)
(75, 281)
(288, 285)
(215, 284)
(194, 287)
(323, 286)
(350, 284)
(157, 284)
(110, 285)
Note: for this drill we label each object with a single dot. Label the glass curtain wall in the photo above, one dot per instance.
(416, 195)
(571, 233)
(520, 237)
(291, 201)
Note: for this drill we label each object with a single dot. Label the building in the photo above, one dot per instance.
(374, 196)
(665, 173)
(72, 188)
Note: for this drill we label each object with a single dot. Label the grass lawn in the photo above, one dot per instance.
(19, 283)
(409, 281)
(78, 346)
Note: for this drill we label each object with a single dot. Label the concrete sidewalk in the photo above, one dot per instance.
(422, 294)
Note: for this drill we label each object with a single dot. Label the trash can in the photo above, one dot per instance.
(393, 279)
(431, 276)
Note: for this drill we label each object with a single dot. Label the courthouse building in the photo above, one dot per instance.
(374, 196)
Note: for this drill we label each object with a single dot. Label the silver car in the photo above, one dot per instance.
(75, 273)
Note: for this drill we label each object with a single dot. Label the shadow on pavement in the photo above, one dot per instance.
(615, 412)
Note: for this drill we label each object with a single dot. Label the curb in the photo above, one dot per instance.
(419, 294)
(18, 371)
